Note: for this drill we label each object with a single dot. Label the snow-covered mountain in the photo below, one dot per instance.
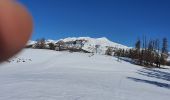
(96, 41)
(103, 43)
(90, 44)
(93, 41)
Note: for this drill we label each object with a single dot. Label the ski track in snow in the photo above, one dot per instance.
(55, 75)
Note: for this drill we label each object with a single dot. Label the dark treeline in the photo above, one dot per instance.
(152, 53)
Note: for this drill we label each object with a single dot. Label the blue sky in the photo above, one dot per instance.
(122, 21)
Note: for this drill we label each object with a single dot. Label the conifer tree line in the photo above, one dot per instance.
(151, 53)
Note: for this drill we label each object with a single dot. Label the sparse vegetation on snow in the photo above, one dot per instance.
(145, 53)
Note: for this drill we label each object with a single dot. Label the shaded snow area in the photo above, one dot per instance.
(52, 75)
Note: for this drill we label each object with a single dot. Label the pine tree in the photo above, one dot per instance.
(51, 46)
(138, 44)
(137, 51)
(150, 53)
(165, 46)
(157, 57)
(164, 54)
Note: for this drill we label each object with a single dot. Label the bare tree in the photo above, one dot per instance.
(40, 44)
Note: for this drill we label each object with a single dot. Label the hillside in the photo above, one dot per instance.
(96, 41)
(90, 44)
(53, 75)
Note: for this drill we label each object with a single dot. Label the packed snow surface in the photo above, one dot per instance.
(51, 75)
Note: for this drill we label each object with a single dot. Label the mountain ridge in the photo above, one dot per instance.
(96, 41)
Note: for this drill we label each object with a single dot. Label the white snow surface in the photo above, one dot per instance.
(52, 75)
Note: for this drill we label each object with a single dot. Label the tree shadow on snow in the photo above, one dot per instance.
(159, 84)
(127, 60)
(153, 73)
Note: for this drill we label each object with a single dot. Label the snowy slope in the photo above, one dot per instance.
(55, 75)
